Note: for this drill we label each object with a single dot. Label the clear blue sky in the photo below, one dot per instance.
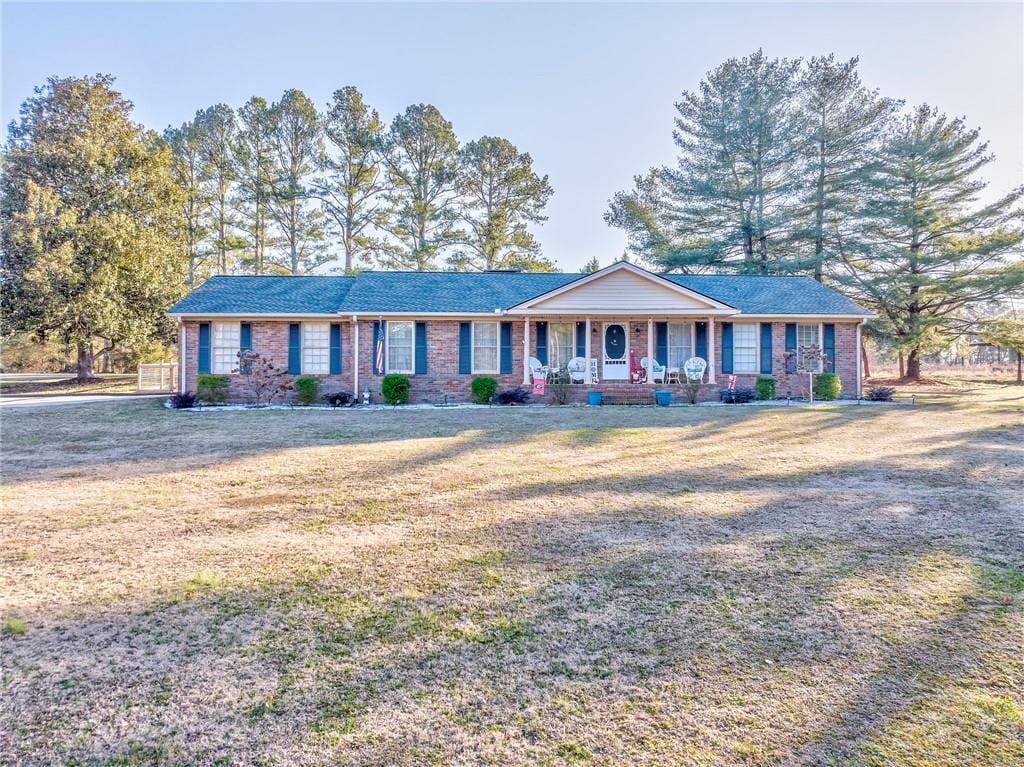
(586, 89)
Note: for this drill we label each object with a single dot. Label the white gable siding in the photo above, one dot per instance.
(621, 291)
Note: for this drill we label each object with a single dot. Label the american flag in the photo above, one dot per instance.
(380, 349)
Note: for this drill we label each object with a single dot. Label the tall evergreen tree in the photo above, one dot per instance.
(929, 250)
(729, 202)
(351, 182)
(421, 160)
(500, 195)
(254, 148)
(296, 147)
(90, 222)
(593, 265)
(218, 132)
(188, 170)
(844, 121)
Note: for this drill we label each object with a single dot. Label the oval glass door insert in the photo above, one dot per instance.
(615, 342)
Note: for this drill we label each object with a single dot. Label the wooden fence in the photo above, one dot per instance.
(158, 376)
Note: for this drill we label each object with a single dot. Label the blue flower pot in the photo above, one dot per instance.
(595, 398)
(663, 397)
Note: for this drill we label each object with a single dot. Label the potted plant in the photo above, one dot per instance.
(662, 397)
(595, 398)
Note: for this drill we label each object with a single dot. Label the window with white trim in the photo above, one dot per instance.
(316, 347)
(744, 347)
(227, 339)
(680, 343)
(401, 343)
(561, 343)
(808, 336)
(485, 347)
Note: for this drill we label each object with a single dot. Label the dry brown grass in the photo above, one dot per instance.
(696, 586)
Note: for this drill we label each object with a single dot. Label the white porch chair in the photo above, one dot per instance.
(538, 372)
(577, 368)
(655, 370)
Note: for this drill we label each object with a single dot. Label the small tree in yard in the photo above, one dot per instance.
(1007, 331)
(810, 360)
(264, 380)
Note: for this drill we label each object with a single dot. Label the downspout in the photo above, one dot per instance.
(858, 352)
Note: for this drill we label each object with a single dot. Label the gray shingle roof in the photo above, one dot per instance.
(229, 294)
(466, 292)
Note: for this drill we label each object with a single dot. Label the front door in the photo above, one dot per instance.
(615, 352)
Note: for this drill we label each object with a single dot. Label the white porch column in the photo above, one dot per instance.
(586, 373)
(711, 349)
(526, 351)
(650, 341)
(355, 358)
(183, 354)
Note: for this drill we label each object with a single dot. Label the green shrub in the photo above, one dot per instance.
(827, 386)
(307, 389)
(212, 388)
(394, 388)
(483, 388)
(765, 387)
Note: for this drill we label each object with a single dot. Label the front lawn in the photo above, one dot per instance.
(840, 585)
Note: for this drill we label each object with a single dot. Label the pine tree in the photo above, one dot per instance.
(929, 250)
(421, 160)
(351, 182)
(188, 170)
(500, 196)
(591, 266)
(296, 147)
(90, 222)
(253, 149)
(844, 121)
(218, 134)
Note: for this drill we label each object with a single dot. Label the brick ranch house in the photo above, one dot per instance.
(443, 328)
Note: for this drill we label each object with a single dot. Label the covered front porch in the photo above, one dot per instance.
(615, 351)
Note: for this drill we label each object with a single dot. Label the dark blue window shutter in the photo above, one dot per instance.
(294, 348)
(204, 347)
(542, 342)
(766, 348)
(701, 345)
(726, 347)
(828, 346)
(661, 342)
(465, 348)
(245, 336)
(335, 348)
(506, 347)
(581, 339)
(791, 347)
(421, 348)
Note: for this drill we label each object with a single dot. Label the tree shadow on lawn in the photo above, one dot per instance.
(628, 634)
(144, 438)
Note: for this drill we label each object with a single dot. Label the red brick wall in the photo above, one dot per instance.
(443, 379)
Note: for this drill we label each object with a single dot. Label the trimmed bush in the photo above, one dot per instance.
(827, 386)
(737, 396)
(339, 398)
(307, 389)
(765, 387)
(517, 396)
(183, 400)
(483, 388)
(212, 388)
(394, 388)
(880, 393)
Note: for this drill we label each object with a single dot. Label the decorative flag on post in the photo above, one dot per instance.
(732, 383)
(379, 351)
(538, 386)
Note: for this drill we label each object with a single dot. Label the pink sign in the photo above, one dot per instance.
(538, 386)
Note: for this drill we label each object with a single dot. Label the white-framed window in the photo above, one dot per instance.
(808, 335)
(680, 343)
(561, 343)
(400, 342)
(316, 347)
(744, 347)
(485, 347)
(227, 339)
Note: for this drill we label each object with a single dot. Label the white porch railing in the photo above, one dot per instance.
(158, 376)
